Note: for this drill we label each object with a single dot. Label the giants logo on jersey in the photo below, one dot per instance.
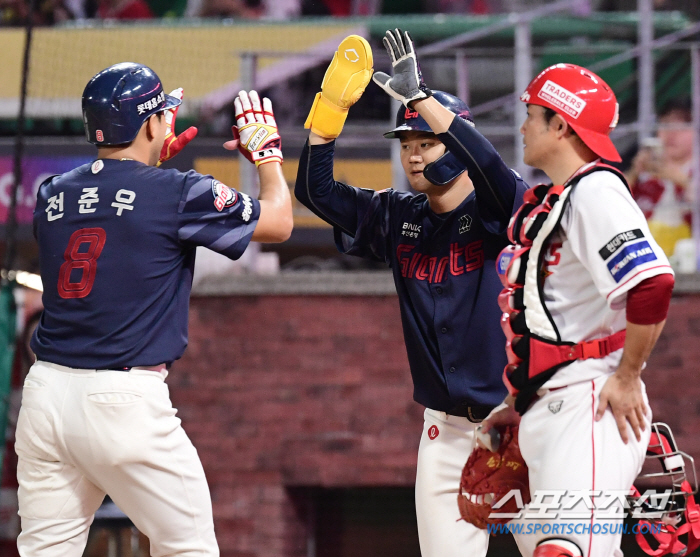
(223, 195)
(423, 267)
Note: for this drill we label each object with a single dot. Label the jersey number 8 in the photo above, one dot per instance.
(85, 261)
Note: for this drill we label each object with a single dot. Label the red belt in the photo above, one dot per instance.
(544, 356)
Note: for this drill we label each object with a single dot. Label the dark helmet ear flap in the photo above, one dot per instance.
(443, 170)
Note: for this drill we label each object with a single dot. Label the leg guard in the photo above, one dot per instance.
(557, 547)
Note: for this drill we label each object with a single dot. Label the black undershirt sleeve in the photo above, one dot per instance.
(494, 183)
(336, 203)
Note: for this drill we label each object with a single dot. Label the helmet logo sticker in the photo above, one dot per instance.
(410, 114)
(351, 55)
(99, 135)
(562, 98)
(151, 104)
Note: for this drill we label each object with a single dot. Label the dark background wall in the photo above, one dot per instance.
(301, 409)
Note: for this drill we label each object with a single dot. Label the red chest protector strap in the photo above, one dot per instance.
(533, 359)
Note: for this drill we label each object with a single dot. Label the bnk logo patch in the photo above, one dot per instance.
(562, 98)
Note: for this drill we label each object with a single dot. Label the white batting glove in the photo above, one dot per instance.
(256, 129)
(407, 83)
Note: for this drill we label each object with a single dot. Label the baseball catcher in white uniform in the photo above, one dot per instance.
(586, 297)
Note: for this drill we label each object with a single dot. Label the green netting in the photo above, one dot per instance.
(8, 314)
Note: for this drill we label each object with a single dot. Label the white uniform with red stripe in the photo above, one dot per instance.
(601, 250)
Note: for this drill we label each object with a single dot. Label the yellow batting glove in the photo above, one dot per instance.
(343, 85)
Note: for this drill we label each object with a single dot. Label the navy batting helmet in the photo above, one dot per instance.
(409, 120)
(118, 100)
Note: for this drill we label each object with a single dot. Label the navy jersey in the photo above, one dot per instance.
(443, 264)
(117, 246)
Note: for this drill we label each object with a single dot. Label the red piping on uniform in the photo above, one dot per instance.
(590, 541)
(637, 274)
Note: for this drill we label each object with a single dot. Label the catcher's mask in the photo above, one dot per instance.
(673, 513)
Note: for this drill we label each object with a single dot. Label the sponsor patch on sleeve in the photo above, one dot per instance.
(247, 207)
(223, 195)
(619, 240)
(629, 257)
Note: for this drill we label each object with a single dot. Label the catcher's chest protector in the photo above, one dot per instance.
(534, 346)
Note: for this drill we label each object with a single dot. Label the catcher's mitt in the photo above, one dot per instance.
(489, 476)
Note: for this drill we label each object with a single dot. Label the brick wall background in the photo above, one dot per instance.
(283, 393)
(673, 374)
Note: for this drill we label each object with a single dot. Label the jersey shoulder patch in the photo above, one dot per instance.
(631, 250)
(223, 195)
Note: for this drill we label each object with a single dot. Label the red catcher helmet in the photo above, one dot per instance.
(583, 99)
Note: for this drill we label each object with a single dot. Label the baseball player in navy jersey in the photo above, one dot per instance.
(441, 244)
(117, 243)
(587, 293)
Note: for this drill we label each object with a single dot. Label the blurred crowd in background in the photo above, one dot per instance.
(659, 170)
(50, 12)
(660, 178)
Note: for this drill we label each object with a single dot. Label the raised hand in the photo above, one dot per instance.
(407, 84)
(346, 78)
(255, 133)
(174, 144)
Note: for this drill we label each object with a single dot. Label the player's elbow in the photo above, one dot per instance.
(274, 226)
(285, 227)
(300, 191)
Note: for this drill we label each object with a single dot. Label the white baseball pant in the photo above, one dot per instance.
(445, 446)
(566, 450)
(82, 434)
